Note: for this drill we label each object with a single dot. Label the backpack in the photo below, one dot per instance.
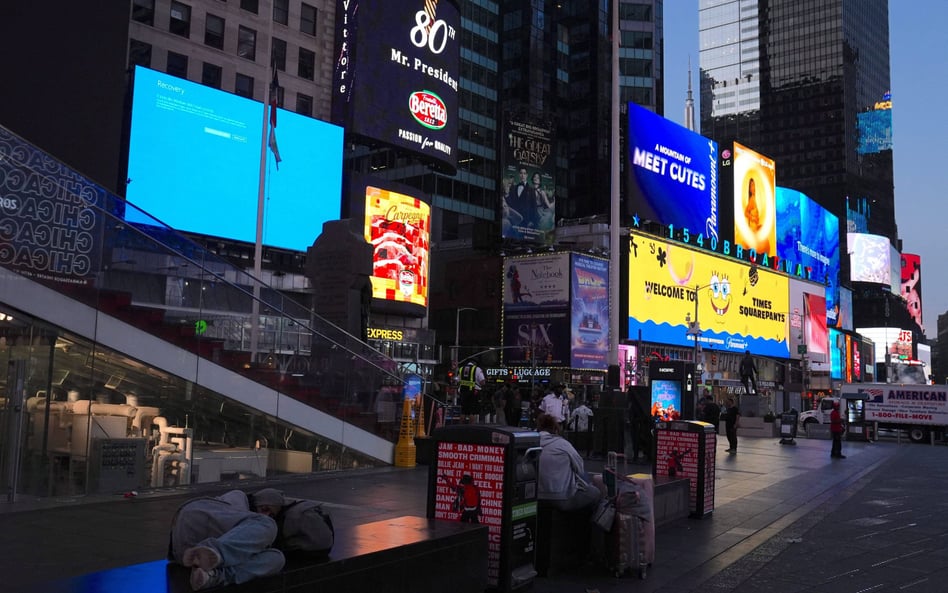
(306, 528)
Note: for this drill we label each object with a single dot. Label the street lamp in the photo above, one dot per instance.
(457, 329)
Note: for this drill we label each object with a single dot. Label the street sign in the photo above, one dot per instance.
(801, 349)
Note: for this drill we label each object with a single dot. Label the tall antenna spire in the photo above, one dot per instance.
(689, 103)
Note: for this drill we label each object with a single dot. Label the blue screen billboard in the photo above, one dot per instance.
(194, 164)
(808, 235)
(672, 174)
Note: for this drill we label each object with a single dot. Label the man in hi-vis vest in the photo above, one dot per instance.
(470, 381)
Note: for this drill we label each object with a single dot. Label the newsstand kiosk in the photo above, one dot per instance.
(687, 449)
(488, 474)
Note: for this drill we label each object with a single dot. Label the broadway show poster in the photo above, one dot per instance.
(590, 313)
(470, 489)
(528, 202)
(536, 281)
(538, 337)
(755, 210)
(398, 227)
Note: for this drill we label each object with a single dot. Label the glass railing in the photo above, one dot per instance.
(69, 234)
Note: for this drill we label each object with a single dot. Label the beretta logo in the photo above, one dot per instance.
(428, 109)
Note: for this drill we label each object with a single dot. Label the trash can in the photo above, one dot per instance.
(687, 449)
(788, 427)
(488, 474)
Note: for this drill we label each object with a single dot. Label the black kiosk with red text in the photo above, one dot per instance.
(487, 474)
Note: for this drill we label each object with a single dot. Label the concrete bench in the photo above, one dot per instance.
(400, 555)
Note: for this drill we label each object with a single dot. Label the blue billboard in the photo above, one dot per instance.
(808, 236)
(194, 164)
(672, 174)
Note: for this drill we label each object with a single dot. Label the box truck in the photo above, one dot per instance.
(917, 409)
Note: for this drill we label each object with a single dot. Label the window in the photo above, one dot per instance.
(307, 65)
(177, 65)
(304, 104)
(308, 19)
(180, 23)
(250, 5)
(246, 43)
(139, 53)
(214, 31)
(212, 75)
(281, 11)
(278, 54)
(143, 11)
(244, 86)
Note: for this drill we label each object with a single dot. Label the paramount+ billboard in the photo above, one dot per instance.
(395, 79)
(672, 174)
(740, 307)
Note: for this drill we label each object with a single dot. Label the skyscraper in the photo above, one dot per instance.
(799, 80)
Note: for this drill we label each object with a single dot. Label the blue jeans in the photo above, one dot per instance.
(244, 552)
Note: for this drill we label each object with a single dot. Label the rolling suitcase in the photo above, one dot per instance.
(632, 547)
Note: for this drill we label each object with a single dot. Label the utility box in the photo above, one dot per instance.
(488, 474)
(687, 449)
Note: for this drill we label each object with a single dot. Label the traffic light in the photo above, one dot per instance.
(451, 377)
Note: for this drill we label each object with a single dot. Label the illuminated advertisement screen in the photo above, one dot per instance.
(912, 285)
(590, 313)
(536, 328)
(396, 75)
(672, 174)
(528, 202)
(808, 235)
(875, 131)
(895, 270)
(755, 209)
(739, 307)
(815, 324)
(837, 348)
(806, 328)
(870, 258)
(194, 164)
(666, 400)
(537, 337)
(398, 226)
(845, 309)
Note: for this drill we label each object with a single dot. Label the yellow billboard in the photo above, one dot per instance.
(739, 306)
(398, 226)
(755, 205)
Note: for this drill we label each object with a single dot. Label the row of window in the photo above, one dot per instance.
(143, 11)
(140, 54)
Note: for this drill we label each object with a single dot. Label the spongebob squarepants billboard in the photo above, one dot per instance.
(740, 307)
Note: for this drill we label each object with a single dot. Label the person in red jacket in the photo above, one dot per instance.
(836, 429)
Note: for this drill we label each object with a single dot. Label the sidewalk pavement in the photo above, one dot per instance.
(787, 519)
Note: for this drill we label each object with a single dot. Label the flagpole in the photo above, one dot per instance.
(261, 200)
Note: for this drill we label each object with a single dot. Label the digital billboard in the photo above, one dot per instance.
(536, 327)
(398, 227)
(396, 75)
(672, 174)
(875, 127)
(740, 307)
(808, 234)
(808, 329)
(870, 258)
(912, 285)
(755, 211)
(194, 164)
(589, 278)
(528, 200)
(537, 281)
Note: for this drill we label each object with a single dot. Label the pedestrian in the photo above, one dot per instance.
(712, 413)
(837, 428)
(732, 421)
(227, 539)
(552, 404)
(562, 480)
(470, 382)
